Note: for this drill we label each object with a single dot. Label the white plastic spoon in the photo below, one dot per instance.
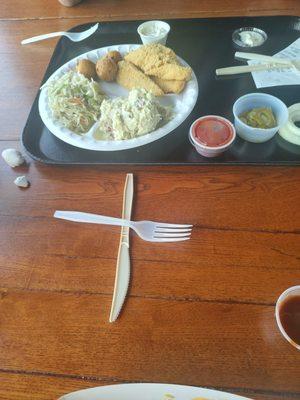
(74, 36)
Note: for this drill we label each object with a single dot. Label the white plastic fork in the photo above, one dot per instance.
(74, 36)
(147, 230)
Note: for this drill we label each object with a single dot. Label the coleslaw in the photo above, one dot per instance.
(75, 101)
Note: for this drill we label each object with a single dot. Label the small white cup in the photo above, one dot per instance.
(154, 32)
(292, 291)
(255, 100)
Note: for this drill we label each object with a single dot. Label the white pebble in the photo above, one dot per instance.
(21, 181)
(13, 157)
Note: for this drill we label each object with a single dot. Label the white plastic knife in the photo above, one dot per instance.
(123, 262)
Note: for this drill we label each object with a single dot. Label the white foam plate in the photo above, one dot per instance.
(149, 391)
(182, 104)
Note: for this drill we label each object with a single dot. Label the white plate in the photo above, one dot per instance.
(148, 391)
(182, 104)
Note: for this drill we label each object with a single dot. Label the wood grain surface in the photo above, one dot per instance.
(198, 313)
(147, 9)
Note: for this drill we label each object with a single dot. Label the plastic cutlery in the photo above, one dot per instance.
(262, 57)
(240, 69)
(74, 36)
(147, 230)
(279, 62)
(268, 63)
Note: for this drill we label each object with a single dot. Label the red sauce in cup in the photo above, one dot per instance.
(212, 131)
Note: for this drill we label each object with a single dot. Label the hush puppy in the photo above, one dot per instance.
(86, 68)
(106, 69)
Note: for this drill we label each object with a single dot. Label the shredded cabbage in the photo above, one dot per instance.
(75, 101)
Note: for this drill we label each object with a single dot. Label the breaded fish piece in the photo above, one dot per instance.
(170, 86)
(150, 56)
(130, 77)
(171, 72)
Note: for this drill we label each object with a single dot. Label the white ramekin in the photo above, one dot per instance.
(148, 38)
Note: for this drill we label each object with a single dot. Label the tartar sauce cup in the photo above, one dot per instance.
(249, 37)
(211, 135)
(154, 32)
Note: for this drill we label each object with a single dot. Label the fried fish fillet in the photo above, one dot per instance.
(150, 56)
(170, 86)
(171, 72)
(130, 77)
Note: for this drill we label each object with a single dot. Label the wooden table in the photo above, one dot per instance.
(198, 313)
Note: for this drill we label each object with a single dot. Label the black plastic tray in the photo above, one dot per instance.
(205, 44)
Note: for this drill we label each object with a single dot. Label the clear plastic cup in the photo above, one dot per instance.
(292, 291)
(255, 100)
(154, 32)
